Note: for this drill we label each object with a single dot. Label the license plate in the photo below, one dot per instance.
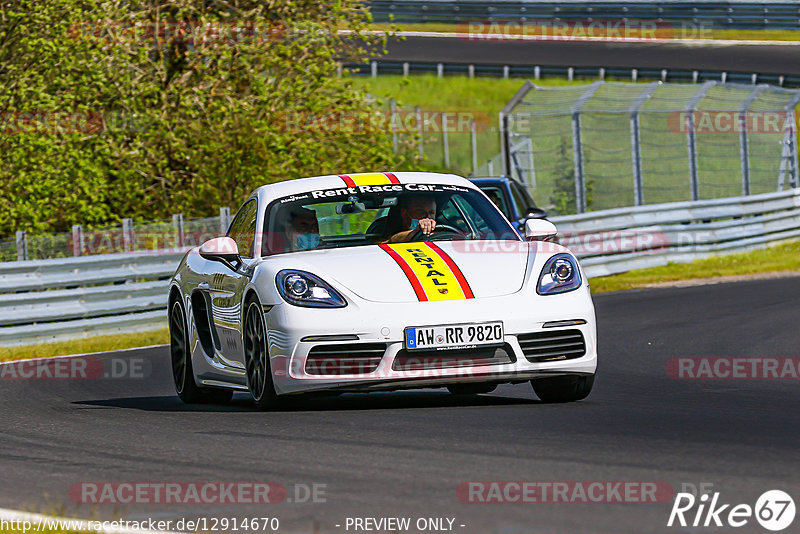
(454, 336)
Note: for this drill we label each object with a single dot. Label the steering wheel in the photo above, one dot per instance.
(444, 229)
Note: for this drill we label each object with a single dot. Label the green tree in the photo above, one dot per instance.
(181, 106)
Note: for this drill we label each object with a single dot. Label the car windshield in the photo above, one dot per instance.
(366, 215)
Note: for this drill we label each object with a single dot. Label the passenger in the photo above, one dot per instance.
(302, 232)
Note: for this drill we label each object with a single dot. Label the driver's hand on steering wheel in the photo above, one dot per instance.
(427, 226)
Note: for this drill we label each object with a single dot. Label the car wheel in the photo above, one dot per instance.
(471, 389)
(256, 358)
(182, 374)
(563, 388)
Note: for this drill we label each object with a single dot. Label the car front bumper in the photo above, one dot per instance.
(295, 331)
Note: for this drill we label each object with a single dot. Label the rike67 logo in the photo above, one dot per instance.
(774, 510)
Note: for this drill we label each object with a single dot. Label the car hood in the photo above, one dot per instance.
(402, 273)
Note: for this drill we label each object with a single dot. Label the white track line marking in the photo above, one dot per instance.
(499, 37)
(41, 523)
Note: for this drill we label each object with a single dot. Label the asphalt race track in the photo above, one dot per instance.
(404, 454)
(764, 59)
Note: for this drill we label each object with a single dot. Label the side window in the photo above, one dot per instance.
(243, 228)
(498, 196)
(521, 199)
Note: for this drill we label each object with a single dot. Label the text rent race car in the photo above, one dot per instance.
(380, 281)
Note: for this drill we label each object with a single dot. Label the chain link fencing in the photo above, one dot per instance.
(612, 144)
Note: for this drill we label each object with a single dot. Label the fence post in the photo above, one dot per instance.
(445, 141)
(77, 240)
(177, 222)
(127, 235)
(744, 151)
(577, 146)
(691, 136)
(224, 220)
(636, 146)
(420, 131)
(393, 111)
(474, 139)
(22, 245)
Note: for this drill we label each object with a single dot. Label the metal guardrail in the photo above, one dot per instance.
(381, 67)
(67, 298)
(775, 15)
(50, 300)
(623, 239)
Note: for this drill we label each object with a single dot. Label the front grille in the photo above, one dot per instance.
(416, 361)
(344, 359)
(552, 346)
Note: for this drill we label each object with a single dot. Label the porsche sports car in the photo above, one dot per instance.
(379, 281)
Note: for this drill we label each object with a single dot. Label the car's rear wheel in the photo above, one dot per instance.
(180, 357)
(471, 389)
(256, 358)
(566, 388)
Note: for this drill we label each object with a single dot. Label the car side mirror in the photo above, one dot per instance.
(535, 213)
(538, 229)
(222, 249)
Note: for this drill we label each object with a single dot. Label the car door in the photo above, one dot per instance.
(227, 286)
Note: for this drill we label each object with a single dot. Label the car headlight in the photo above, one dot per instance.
(559, 275)
(304, 289)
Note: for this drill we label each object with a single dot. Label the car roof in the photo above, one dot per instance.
(287, 188)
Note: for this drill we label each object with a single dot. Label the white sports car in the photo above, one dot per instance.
(379, 281)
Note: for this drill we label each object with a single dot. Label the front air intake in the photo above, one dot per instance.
(344, 359)
(552, 346)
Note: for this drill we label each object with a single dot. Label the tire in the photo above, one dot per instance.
(471, 389)
(256, 358)
(182, 373)
(568, 388)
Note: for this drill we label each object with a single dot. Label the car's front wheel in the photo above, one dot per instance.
(566, 388)
(180, 357)
(256, 357)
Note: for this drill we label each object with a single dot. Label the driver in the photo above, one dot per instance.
(302, 232)
(416, 212)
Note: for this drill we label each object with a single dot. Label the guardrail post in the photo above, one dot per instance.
(224, 220)
(445, 141)
(474, 139)
(420, 131)
(373, 67)
(393, 111)
(506, 71)
(691, 137)
(471, 71)
(405, 69)
(22, 245)
(77, 240)
(440, 70)
(744, 150)
(636, 148)
(127, 235)
(177, 222)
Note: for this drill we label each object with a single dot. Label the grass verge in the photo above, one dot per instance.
(85, 345)
(777, 259)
